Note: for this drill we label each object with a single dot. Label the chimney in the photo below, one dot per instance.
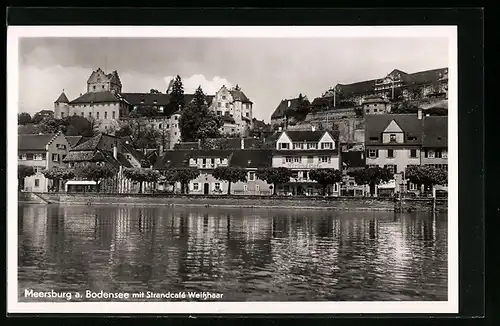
(115, 152)
(419, 113)
(242, 143)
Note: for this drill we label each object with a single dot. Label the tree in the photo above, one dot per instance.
(325, 177)
(371, 176)
(215, 143)
(230, 174)
(23, 118)
(177, 94)
(37, 118)
(56, 174)
(274, 176)
(24, 171)
(95, 173)
(154, 91)
(141, 175)
(404, 108)
(142, 135)
(182, 175)
(426, 175)
(144, 111)
(77, 126)
(28, 129)
(197, 121)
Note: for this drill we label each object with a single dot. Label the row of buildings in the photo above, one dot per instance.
(391, 141)
(105, 101)
(375, 96)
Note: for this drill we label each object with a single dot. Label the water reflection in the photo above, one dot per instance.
(249, 255)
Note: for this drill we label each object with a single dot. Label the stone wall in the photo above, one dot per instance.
(333, 203)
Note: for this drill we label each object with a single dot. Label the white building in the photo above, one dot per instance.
(233, 104)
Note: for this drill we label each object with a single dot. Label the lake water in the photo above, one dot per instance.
(244, 254)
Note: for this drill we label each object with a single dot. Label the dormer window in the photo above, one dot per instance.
(392, 138)
(373, 138)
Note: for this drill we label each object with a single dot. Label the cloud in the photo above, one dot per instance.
(210, 87)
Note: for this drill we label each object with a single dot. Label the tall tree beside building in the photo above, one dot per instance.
(154, 91)
(182, 175)
(197, 121)
(23, 118)
(95, 173)
(24, 171)
(274, 176)
(141, 175)
(177, 95)
(371, 176)
(230, 174)
(325, 177)
(57, 174)
(427, 175)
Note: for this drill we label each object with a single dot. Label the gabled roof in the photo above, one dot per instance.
(89, 145)
(251, 158)
(358, 88)
(423, 77)
(377, 123)
(297, 135)
(34, 142)
(160, 98)
(285, 104)
(435, 131)
(238, 95)
(96, 97)
(62, 98)
(73, 140)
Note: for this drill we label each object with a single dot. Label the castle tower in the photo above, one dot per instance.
(99, 81)
(61, 106)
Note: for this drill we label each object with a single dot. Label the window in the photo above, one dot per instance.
(390, 153)
(297, 146)
(373, 138)
(412, 186)
(310, 159)
(288, 159)
(284, 145)
(375, 110)
(22, 157)
(37, 157)
(223, 97)
(195, 186)
(372, 153)
(113, 114)
(176, 117)
(37, 183)
(232, 129)
(326, 145)
(97, 115)
(227, 105)
(245, 187)
(257, 188)
(90, 114)
(94, 87)
(62, 115)
(247, 114)
(85, 105)
(168, 126)
(74, 113)
(219, 112)
(312, 146)
(438, 154)
(430, 154)
(217, 186)
(251, 176)
(392, 137)
(335, 187)
(413, 153)
(175, 133)
(82, 114)
(326, 159)
(305, 175)
(297, 159)
(105, 114)
(444, 154)
(102, 86)
(219, 104)
(160, 126)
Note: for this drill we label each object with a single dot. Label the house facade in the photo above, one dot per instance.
(235, 104)
(42, 151)
(434, 150)
(303, 151)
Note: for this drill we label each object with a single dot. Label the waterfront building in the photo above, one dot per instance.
(207, 160)
(352, 160)
(376, 104)
(41, 151)
(396, 141)
(233, 103)
(302, 151)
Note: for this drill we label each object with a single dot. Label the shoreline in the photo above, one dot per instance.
(237, 201)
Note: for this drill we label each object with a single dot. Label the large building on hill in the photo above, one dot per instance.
(235, 108)
(278, 117)
(397, 84)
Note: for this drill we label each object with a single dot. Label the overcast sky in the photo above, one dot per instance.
(267, 70)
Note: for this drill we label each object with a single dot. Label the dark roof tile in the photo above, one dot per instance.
(62, 98)
(33, 141)
(303, 135)
(96, 97)
(435, 131)
(377, 123)
(73, 140)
